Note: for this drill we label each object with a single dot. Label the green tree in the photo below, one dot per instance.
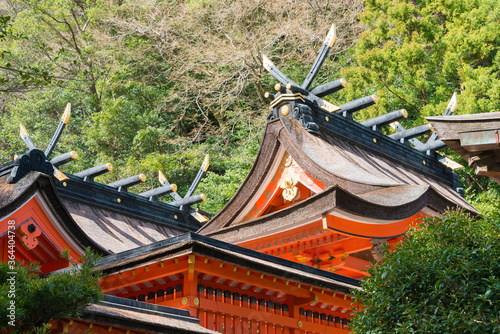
(415, 54)
(38, 300)
(443, 278)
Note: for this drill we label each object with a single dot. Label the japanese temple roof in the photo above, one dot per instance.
(13, 196)
(132, 222)
(98, 215)
(190, 243)
(134, 315)
(367, 180)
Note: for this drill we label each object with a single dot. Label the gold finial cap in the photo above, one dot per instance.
(267, 63)
(431, 127)
(67, 114)
(203, 197)
(206, 163)
(277, 87)
(288, 86)
(142, 177)
(109, 166)
(332, 36)
(343, 82)
(405, 113)
(173, 186)
(162, 177)
(22, 131)
(375, 98)
(73, 155)
(266, 95)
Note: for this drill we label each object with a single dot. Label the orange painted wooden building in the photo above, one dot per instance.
(283, 256)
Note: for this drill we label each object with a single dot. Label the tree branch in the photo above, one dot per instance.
(399, 97)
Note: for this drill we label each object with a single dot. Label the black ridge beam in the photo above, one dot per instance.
(275, 72)
(64, 158)
(160, 191)
(347, 109)
(189, 200)
(59, 130)
(432, 146)
(412, 133)
(280, 88)
(268, 95)
(91, 173)
(323, 53)
(26, 137)
(386, 119)
(330, 87)
(124, 184)
(296, 89)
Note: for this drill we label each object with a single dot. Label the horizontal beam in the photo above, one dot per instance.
(347, 109)
(210, 268)
(128, 278)
(412, 133)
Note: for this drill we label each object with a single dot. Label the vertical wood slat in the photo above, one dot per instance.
(210, 320)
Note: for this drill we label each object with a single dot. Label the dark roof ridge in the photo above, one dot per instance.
(147, 308)
(381, 144)
(106, 197)
(194, 238)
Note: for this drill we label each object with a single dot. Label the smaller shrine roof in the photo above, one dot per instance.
(134, 315)
(92, 213)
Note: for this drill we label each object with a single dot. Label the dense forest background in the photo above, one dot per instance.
(157, 84)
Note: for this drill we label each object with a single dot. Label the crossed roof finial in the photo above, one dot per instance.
(36, 160)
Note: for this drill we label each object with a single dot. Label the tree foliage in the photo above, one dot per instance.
(39, 300)
(157, 84)
(443, 278)
(416, 54)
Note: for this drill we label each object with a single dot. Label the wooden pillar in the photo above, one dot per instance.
(237, 320)
(190, 290)
(244, 321)
(293, 311)
(253, 322)
(209, 315)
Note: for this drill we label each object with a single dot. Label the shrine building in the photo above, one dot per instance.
(283, 256)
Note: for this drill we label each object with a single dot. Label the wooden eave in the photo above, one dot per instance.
(474, 137)
(231, 254)
(385, 205)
